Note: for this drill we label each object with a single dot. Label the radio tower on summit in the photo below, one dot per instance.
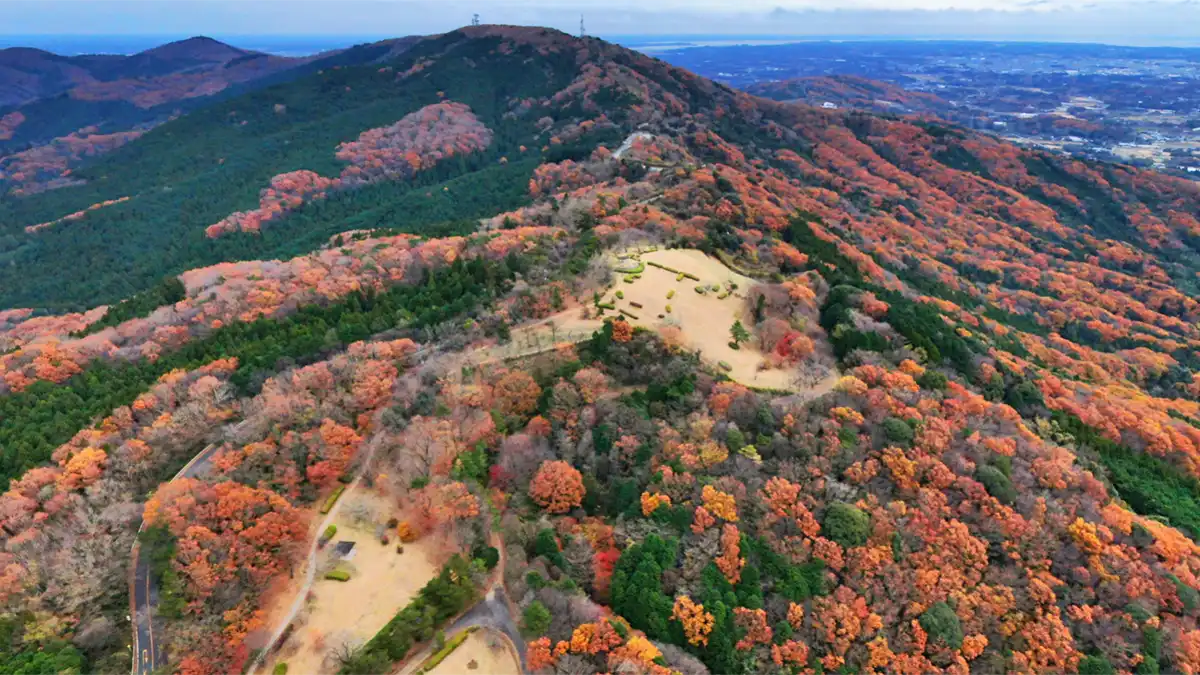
(582, 30)
(475, 20)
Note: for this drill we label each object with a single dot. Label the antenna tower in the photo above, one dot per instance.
(582, 30)
(475, 20)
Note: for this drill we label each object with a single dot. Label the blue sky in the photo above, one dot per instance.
(1113, 21)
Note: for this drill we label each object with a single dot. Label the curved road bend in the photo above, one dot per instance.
(143, 596)
(492, 613)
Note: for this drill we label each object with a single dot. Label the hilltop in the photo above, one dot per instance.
(57, 111)
(711, 382)
(27, 75)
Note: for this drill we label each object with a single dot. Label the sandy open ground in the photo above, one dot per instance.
(499, 660)
(382, 583)
(704, 319)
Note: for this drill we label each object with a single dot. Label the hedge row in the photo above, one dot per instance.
(440, 655)
(444, 597)
(327, 505)
(679, 273)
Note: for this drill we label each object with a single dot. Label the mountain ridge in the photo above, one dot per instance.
(87, 105)
(986, 457)
(47, 74)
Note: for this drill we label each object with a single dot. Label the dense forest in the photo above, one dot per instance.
(190, 173)
(988, 458)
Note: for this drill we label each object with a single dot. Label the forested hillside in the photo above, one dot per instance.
(986, 459)
(56, 111)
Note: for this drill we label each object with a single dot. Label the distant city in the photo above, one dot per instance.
(1128, 104)
(1138, 105)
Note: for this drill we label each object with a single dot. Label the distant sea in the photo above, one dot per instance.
(283, 45)
(303, 45)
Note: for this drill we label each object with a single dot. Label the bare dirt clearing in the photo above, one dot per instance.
(703, 318)
(487, 650)
(381, 583)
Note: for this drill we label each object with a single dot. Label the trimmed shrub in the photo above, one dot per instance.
(327, 506)
(446, 649)
(338, 575)
(846, 524)
(279, 669)
(681, 274)
(670, 294)
(329, 532)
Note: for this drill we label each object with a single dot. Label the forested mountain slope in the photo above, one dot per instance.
(1005, 477)
(56, 111)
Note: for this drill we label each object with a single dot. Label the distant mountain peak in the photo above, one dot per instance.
(199, 48)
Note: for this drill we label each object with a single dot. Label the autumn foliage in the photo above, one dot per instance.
(417, 142)
(557, 487)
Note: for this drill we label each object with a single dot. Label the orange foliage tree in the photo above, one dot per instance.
(557, 486)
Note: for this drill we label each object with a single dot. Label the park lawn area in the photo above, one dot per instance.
(382, 582)
(703, 319)
(488, 650)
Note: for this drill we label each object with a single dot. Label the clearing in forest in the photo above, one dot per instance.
(706, 299)
(382, 582)
(484, 652)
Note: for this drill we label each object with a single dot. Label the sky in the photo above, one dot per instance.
(1113, 21)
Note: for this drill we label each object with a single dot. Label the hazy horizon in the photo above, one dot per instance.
(302, 45)
(1111, 22)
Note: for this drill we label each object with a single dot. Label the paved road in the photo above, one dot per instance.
(491, 612)
(143, 597)
(148, 654)
(145, 653)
